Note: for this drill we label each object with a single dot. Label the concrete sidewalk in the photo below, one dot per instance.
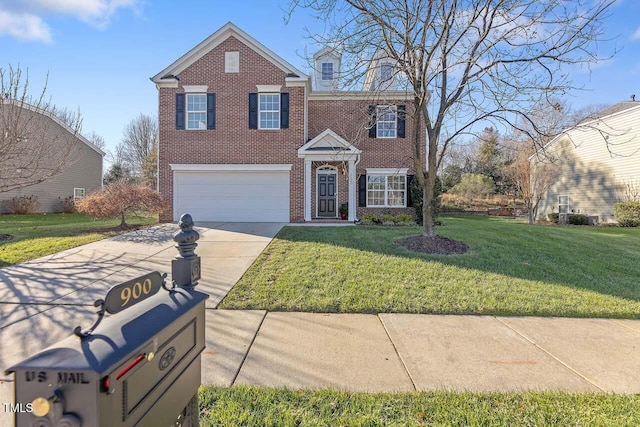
(407, 352)
(41, 301)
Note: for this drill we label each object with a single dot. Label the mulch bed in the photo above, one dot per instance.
(5, 237)
(434, 245)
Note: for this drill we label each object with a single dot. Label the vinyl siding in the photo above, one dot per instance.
(85, 172)
(595, 163)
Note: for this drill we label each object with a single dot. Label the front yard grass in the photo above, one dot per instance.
(38, 235)
(511, 269)
(257, 406)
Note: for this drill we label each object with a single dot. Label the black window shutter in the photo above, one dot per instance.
(211, 111)
(179, 110)
(401, 111)
(284, 110)
(253, 111)
(408, 190)
(362, 191)
(373, 120)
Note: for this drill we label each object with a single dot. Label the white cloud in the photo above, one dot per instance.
(23, 19)
(24, 27)
(636, 35)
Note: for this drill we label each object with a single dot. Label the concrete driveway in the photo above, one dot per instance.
(43, 300)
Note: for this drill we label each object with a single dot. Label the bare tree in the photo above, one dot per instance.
(465, 61)
(35, 145)
(140, 138)
(96, 140)
(532, 178)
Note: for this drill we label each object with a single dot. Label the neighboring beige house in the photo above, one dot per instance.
(82, 175)
(245, 136)
(598, 163)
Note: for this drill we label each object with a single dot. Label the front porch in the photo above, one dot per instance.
(329, 177)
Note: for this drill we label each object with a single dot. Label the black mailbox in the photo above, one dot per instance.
(138, 367)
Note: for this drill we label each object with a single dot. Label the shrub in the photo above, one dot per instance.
(121, 198)
(404, 219)
(369, 218)
(388, 219)
(68, 205)
(627, 213)
(21, 205)
(474, 185)
(553, 217)
(577, 219)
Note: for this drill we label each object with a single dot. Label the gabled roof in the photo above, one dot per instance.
(56, 120)
(328, 142)
(215, 39)
(615, 110)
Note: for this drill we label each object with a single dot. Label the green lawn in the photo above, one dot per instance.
(512, 269)
(255, 406)
(39, 235)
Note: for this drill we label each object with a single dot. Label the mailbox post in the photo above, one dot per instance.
(138, 367)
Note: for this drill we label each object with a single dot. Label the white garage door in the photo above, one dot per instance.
(254, 195)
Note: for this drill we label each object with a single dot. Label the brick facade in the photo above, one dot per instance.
(232, 142)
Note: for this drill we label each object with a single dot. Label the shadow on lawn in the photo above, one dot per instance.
(603, 260)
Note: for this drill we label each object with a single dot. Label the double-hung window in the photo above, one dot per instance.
(386, 190)
(269, 110)
(387, 121)
(78, 193)
(196, 111)
(327, 71)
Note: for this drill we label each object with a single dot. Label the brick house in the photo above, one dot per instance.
(245, 136)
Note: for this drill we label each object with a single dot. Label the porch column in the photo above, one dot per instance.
(307, 190)
(352, 193)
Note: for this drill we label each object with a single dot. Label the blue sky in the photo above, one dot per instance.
(100, 54)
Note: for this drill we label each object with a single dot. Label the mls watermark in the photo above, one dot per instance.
(17, 408)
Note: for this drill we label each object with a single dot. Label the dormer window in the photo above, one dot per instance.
(327, 71)
(386, 72)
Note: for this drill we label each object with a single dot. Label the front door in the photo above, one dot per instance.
(327, 193)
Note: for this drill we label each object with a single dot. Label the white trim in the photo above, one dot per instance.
(382, 110)
(328, 170)
(167, 83)
(230, 167)
(269, 88)
(387, 171)
(375, 97)
(195, 89)
(307, 190)
(214, 40)
(386, 191)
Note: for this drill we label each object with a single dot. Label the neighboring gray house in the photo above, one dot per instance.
(598, 163)
(82, 175)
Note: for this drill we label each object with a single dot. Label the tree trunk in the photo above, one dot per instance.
(123, 223)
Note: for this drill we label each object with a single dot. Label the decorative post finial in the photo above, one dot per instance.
(185, 269)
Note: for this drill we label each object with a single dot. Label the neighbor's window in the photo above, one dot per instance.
(563, 204)
(269, 107)
(196, 111)
(387, 121)
(327, 71)
(386, 190)
(78, 193)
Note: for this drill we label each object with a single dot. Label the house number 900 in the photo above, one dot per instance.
(132, 292)
(136, 291)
